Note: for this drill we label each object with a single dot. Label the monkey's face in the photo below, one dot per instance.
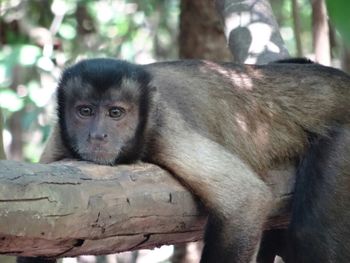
(99, 131)
(100, 111)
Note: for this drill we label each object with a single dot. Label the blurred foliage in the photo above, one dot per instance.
(2, 150)
(338, 11)
(283, 12)
(38, 38)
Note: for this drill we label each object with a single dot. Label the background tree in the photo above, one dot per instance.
(2, 151)
(201, 33)
(252, 31)
(321, 41)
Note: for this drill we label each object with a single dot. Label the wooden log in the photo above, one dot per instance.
(72, 208)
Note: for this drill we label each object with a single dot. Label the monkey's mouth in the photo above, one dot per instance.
(99, 156)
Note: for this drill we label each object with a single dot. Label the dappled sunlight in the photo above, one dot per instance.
(258, 119)
(259, 134)
(260, 143)
(233, 21)
(260, 34)
(239, 80)
(261, 40)
(240, 120)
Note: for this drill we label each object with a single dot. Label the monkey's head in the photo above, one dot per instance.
(102, 110)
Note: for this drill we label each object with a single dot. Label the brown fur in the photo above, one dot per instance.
(260, 112)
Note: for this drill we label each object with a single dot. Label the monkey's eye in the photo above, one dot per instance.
(116, 112)
(85, 111)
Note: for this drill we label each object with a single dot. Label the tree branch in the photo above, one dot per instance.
(73, 208)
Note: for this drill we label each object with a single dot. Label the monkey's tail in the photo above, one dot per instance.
(319, 224)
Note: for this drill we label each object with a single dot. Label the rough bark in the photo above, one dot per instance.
(75, 208)
(251, 31)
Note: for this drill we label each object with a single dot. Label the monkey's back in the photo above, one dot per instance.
(258, 111)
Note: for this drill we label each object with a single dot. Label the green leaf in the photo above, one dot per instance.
(339, 13)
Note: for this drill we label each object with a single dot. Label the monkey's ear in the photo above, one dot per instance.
(54, 149)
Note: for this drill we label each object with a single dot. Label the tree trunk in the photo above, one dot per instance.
(201, 33)
(320, 30)
(297, 29)
(251, 31)
(346, 58)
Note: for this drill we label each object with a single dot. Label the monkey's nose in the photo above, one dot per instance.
(98, 136)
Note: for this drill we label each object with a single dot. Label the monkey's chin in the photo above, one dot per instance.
(104, 158)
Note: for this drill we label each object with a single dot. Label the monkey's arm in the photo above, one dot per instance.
(237, 199)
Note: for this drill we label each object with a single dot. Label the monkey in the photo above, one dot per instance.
(217, 127)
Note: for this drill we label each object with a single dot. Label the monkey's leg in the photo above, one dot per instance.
(237, 199)
(320, 225)
(273, 242)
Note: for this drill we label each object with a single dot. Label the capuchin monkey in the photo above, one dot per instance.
(219, 128)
